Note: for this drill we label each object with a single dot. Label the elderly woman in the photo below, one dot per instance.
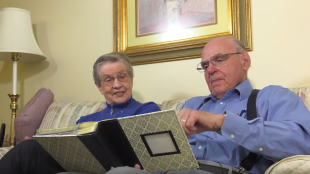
(113, 76)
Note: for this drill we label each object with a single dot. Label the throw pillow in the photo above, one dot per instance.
(30, 117)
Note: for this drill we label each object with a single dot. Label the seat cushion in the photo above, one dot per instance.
(61, 114)
(4, 150)
(304, 94)
(30, 117)
(172, 104)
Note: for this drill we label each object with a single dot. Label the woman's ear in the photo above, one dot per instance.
(99, 88)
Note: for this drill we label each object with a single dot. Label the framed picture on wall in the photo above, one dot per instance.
(151, 31)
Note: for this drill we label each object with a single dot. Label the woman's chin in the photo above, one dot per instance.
(120, 100)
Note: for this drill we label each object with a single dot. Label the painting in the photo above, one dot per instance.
(151, 31)
(163, 15)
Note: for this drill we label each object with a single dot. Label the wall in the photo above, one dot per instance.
(73, 33)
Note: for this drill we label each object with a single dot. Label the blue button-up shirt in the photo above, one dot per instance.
(281, 130)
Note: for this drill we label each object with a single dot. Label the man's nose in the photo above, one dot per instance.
(211, 68)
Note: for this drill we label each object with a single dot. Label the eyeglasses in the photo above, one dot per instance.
(216, 60)
(109, 80)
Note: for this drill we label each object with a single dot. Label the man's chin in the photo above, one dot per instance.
(217, 93)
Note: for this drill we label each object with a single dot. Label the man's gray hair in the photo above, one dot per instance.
(108, 58)
(239, 45)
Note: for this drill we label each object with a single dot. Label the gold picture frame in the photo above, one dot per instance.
(238, 26)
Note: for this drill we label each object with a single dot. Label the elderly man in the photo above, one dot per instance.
(217, 124)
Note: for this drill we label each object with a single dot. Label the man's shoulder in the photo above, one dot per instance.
(273, 89)
(276, 93)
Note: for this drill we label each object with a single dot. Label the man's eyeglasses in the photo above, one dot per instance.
(216, 60)
(109, 80)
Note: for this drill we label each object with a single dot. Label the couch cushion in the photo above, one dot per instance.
(304, 94)
(61, 114)
(4, 150)
(30, 117)
(173, 104)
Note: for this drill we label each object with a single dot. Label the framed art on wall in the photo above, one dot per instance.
(151, 31)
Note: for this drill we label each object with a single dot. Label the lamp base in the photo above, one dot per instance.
(14, 107)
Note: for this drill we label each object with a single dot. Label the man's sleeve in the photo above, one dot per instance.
(281, 130)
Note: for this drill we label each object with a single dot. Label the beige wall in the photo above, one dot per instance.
(73, 33)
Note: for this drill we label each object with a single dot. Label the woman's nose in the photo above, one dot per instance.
(117, 83)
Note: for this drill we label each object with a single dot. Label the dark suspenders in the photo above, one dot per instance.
(249, 161)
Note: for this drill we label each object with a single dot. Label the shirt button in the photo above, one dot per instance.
(199, 147)
(221, 103)
(260, 149)
(232, 136)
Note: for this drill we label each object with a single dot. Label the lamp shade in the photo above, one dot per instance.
(16, 36)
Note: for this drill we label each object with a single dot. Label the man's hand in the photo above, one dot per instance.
(194, 122)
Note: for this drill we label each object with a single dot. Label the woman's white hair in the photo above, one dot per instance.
(111, 57)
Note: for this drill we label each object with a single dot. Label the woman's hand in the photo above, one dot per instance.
(137, 166)
(27, 138)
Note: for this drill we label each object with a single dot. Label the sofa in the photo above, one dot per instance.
(41, 112)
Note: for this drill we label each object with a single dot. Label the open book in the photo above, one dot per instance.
(155, 140)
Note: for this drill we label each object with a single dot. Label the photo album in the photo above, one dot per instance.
(156, 141)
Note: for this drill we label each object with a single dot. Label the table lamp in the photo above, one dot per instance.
(17, 43)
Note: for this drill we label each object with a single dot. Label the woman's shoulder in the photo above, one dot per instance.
(150, 103)
(90, 117)
(148, 107)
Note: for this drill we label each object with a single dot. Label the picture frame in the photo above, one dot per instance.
(234, 21)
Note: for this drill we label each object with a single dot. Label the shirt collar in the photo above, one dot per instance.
(122, 105)
(244, 90)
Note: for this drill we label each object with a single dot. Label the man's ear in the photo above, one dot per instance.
(246, 60)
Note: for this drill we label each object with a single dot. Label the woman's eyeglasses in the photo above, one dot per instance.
(109, 80)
